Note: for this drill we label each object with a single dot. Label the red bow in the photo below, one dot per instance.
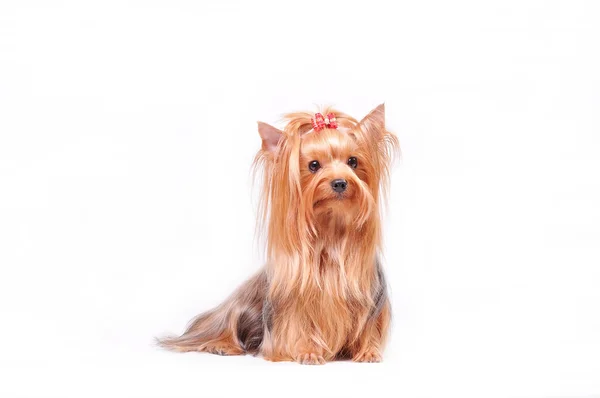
(320, 122)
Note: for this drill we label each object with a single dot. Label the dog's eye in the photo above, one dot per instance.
(352, 162)
(314, 166)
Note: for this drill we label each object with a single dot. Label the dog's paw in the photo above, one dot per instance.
(310, 358)
(222, 349)
(372, 355)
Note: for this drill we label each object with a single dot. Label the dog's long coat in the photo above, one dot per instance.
(322, 294)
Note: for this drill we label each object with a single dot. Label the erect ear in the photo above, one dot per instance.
(270, 136)
(374, 123)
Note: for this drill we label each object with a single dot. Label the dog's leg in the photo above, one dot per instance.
(214, 333)
(224, 345)
(288, 340)
(371, 340)
(233, 328)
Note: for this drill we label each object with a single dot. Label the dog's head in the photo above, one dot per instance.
(324, 170)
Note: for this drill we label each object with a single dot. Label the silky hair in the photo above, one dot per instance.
(321, 294)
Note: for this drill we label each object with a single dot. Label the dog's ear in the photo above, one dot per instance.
(270, 136)
(374, 123)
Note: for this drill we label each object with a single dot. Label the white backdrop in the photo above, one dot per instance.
(127, 131)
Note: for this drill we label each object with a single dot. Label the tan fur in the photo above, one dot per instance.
(322, 294)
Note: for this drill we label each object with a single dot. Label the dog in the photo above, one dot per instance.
(322, 295)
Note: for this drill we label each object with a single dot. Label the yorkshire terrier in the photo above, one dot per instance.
(322, 294)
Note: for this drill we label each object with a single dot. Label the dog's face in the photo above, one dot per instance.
(334, 174)
(323, 177)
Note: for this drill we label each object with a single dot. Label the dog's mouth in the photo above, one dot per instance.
(336, 198)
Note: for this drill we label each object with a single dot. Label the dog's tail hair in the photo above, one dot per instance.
(237, 323)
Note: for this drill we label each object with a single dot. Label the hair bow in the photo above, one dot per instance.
(319, 122)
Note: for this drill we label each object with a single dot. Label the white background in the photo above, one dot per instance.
(127, 131)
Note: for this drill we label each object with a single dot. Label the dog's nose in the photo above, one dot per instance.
(339, 185)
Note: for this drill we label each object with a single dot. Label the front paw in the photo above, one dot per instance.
(371, 355)
(310, 358)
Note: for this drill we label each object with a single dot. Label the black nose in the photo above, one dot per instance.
(339, 185)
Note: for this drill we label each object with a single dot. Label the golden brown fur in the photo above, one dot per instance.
(322, 294)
